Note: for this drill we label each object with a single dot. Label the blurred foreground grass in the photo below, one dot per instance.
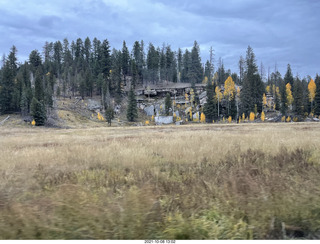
(250, 181)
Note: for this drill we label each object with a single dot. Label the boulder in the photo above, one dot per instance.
(196, 115)
(163, 120)
(187, 110)
(94, 105)
(149, 110)
(203, 95)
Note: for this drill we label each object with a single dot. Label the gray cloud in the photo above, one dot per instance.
(279, 31)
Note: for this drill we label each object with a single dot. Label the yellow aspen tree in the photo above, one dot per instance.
(147, 122)
(312, 91)
(190, 114)
(202, 118)
(243, 117)
(223, 120)
(252, 116)
(288, 119)
(268, 89)
(229, 90)
(33, 122)
(152, 118)
(212, 121)
(283, 119)
(239, 120)
(263, 116)
(219, 97)
(230, 119)
(289, 94)
(186, 96)
(205, 80)
(264, 100)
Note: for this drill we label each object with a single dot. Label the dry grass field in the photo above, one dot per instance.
(237, 181)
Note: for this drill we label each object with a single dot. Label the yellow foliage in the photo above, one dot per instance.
(152, 118)
(205, 80)
(186, 96)
(230, 119)
(252, 116)
(283, 118)
(174, 115)
(212, 121)
(190, 114)
(243, 117)
(288, 119)
(218, 93)
(161, 107)
(289, 94)
(33, 122)
(229, 88)
(223, 120)
(147, 122)
(263, 116)
(264, 99)
(312, 90)
(202, 118)
(268, 89)
(311, 114)
(100, 117)
(295, 119)
(178, 106)
(239, 120)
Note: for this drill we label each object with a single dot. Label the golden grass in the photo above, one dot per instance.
(157, 182)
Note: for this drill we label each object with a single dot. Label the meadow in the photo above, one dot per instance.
(232, 181)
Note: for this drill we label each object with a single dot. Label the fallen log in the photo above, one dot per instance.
(2, 122)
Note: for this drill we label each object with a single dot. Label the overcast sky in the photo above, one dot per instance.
(279, 31)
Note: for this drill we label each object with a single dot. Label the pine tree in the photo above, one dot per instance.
(288, 78)
(196, 72)
(38, 112)
(284, 102)
(125, 62)
(168, 104)
(253, 87)
(109, 114)
(9, 73)
(298, 106)
(132, 111)
(210, 108)
(317, 96)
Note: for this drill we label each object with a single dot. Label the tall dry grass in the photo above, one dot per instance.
(252, 181)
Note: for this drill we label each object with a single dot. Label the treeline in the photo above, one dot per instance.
(87, 68)
(289, 95)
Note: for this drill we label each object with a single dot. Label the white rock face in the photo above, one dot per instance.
(163, 120)
(149, 110)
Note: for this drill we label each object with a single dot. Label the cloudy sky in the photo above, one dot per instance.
(279, 31)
